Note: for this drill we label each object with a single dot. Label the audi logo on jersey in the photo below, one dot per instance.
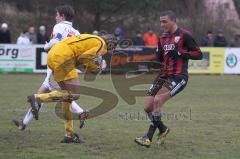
(169, 47)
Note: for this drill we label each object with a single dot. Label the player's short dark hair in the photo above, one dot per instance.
(170, 14)
(67, 11)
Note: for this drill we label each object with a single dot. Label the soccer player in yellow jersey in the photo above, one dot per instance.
(77, 52)
(63, 29)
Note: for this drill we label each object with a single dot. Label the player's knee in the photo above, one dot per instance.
(158, 100)
(148, 109)
(43, 89)
(149, 105)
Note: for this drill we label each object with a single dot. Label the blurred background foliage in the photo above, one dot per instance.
(131, 15)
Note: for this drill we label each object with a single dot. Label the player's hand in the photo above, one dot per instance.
(101, 67)
(183, 53)
(177, 52)
(46, 46)
(103, 64)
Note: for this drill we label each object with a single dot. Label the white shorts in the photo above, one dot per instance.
(49, 81)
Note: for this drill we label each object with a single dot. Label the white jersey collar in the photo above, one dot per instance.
(67, 22)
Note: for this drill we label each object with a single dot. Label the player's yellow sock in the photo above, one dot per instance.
(67, 116)
(55, 96)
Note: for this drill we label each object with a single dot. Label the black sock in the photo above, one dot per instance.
(151, 130)
(161, 127)
(158, 122)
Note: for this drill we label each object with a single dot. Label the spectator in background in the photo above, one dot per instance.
(150, 38)
(119, 34)
(138, 39)
(32, 35)
(220, 40)
(5, 36)
(23, 39)
(95, 32)
(236, 41)
(42, 36)
(208, 39)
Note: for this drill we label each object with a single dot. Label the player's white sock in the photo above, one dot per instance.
(29, 116)
(76, 108)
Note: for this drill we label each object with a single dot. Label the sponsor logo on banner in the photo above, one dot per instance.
(212, 62)
(16, 58)
(41, 59)
(200, 64)
(9, 52)
(231, 60)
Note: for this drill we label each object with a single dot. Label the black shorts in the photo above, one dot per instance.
(174, 84)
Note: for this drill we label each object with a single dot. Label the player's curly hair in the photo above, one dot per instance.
(67, 11)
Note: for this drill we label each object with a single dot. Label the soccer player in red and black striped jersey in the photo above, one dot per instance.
(175, 47)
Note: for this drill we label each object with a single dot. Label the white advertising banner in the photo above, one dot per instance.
(232, 61)
(17, 58)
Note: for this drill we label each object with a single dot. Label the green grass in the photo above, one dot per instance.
(204, 121)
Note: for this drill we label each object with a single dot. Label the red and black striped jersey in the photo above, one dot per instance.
(174, 51)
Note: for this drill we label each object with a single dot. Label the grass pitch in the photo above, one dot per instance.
(204, 120)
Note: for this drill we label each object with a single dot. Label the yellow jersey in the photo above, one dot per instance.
(74, 52)
(86, 45)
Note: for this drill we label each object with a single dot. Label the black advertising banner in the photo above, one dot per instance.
(41, 60)
(121, 58)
